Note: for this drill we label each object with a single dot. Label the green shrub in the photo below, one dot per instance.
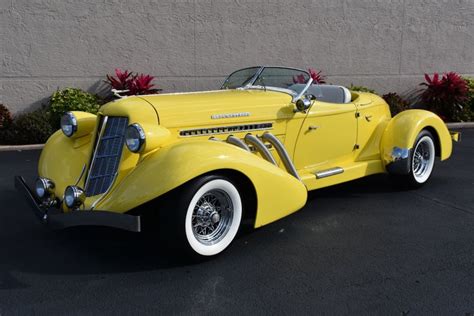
(5, 117)
(71, 99)
(396, 103)
(470, 93)
(361, 89)
(28, 128)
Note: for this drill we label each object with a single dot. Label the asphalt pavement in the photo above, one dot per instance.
(358, 248)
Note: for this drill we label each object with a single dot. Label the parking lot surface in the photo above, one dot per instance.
(358, 248)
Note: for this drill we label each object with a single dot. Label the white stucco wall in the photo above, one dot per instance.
(193, 44)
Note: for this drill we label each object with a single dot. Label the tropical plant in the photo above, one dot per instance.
(446, 95)
(121, 81)
(396, 103)
(130, 83)
(318, 77)
(71, 99)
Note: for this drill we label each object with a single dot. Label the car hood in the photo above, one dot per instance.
(219, 107)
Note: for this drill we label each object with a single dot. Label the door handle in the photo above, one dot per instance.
(368, 118)
(312, 127)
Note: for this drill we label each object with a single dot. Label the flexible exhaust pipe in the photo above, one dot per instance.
(260, 147)
(237, 142)
(285, 158)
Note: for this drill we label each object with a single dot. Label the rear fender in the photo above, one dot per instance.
(278, 193)
(400, 135)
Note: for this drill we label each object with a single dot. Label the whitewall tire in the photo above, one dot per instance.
(420, 164)
(423, 159)
(213, 217)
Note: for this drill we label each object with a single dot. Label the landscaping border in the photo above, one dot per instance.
(20, 147)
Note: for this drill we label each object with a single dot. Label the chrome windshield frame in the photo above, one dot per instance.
(250, 84)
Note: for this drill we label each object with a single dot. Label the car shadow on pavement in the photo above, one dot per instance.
(374, 184)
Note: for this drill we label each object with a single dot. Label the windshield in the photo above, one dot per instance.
(289, 80)
(240, 78)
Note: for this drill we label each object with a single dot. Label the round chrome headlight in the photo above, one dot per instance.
(68, 124)
(134, 138)
(44, 187)
(74, 196)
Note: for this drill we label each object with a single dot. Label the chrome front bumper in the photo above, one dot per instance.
(56, 219)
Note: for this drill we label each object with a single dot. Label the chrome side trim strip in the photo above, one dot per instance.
(99, 137)
(260, 146)
(82, 174)
(329, 172)
(237, 142)
(280, 148)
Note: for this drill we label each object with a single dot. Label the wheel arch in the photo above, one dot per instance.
(274, 193)
(436, 140)
(245, 184)
(401, 132)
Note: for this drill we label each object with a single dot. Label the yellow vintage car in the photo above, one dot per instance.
(201, 163)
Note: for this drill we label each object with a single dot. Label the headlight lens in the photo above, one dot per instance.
(74, 196)
(134, 138)
(68, 124)
(44, 187)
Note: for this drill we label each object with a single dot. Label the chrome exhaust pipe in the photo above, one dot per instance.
(285, 158)
(260, 147)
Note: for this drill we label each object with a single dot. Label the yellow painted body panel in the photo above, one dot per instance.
(278, 193)
(374, 115)
(403, 129)
(63, 158)
(327, 136)
(357, 137)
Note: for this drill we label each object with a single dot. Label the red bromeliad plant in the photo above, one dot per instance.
(121, 81)
(132, 84)
(141, 84)
(318, 77)
(445, 95)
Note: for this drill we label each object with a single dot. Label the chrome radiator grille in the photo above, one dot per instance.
(106, 157)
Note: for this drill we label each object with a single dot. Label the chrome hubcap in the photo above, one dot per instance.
(212, 217)
(421, 159)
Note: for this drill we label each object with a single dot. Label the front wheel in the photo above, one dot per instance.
(206, 216)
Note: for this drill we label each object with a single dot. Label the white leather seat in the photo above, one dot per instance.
(330, 93)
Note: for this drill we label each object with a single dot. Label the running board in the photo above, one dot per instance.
(329, 172)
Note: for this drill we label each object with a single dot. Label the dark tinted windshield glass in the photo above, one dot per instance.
(240, 78)
(281, 77)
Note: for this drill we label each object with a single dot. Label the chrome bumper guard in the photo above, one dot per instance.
(56, 220)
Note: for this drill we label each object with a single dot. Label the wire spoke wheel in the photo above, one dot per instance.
(212, 216)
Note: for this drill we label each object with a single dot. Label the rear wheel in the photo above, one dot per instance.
(423, 158)
(422, 161)
(206, 216)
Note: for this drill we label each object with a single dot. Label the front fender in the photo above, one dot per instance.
(400, 135)
(278, 193)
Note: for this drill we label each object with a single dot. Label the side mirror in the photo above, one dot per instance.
(303, 104)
